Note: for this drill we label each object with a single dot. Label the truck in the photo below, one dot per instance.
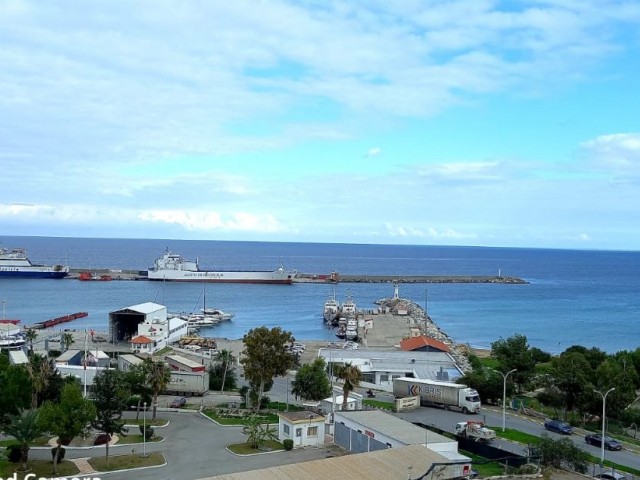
(447, 395)
(474, 431)
(188, 383)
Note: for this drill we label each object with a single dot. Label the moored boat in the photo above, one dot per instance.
(14, 263)
(174, 268)
(331, 309)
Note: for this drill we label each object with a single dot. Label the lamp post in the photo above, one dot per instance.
(604, 406)
(144, 430)
(426, 302)
(504, 396)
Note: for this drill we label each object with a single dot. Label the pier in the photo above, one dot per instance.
(320, 278)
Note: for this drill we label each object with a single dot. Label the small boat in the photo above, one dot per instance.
(88, 276)
(341, 332)
(174, 268)
(14, 263)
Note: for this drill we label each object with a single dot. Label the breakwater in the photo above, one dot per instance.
(96, 274)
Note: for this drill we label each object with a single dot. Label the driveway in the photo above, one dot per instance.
(195, 448)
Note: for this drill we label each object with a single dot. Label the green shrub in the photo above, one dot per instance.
(150, 431)
(288, 444)
(13, 453)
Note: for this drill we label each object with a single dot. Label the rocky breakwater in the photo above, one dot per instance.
(417, 316)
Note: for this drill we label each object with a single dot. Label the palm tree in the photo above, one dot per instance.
(31, 335)
(158, 376)
(225, 357)
(67, 340)
(25, 429)
(40, 371)
(350, 374)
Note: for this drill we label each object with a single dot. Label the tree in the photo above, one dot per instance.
(257, 432)
(66, 419)
(515, 353)
(15, 388)
(266, 356)
(25, 429)
(571, 374)
(40, 370)
(311, 382)
(222, 370)
(225, 358)
(110, 399)
(158, 377)
(30, 336)
(136, 379)
(67, 340)
(558, 453)
(350, 374)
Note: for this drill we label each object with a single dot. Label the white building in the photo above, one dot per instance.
(156, 332)
(305, 428)
(8, 330)
(85, 368)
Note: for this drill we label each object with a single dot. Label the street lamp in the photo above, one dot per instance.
(604, 406)
(144, 430)
(504, 396)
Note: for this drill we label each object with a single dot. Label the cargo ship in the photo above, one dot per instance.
(14, 263)
(174, 268)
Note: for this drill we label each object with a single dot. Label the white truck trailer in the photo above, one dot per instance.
(188, 383)
(446, 395)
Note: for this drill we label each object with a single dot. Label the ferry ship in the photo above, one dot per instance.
(14, 263)
(174, 268)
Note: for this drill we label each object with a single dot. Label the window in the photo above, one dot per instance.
(312, 432)
(384, 378)
(298, 432)
(285, 428)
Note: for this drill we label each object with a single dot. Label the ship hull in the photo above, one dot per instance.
(32, 274)
(222, 277)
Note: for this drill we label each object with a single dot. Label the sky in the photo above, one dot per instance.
(462, 122)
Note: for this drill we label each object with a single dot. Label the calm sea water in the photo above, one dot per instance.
(589, 298)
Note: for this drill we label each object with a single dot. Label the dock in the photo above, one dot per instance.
(112, 274)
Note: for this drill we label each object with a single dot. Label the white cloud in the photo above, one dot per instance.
(617, 155)
(374, 151)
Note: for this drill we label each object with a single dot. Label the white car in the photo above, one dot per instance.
(350, 345)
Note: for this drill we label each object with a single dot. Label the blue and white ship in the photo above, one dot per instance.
(14, 263)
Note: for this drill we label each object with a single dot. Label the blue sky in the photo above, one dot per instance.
(469, 122)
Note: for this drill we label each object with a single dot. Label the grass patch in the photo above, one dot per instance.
(163, 351)
(515, 435)
(123, 462)
(246, 449)
(379, 404)
(39, 468)
(138, 439)
(158, 422)
(484, 466)
(239, 419)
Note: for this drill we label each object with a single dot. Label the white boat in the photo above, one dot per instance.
(216, 314)
(14, 263)
(349, 308)
(12, 341)
(331, 309)
(171, 267)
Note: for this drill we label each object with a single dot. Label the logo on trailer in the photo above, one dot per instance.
(430, 391)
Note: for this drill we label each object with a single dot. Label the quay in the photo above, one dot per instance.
(108, 274)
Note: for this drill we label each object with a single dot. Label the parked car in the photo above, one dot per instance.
(101, 439)
(595, 439)
(611, 476)
(558, 426)
(178, 402)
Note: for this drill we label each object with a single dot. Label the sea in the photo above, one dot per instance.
(573, 297)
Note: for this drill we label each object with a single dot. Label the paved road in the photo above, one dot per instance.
(196, 448)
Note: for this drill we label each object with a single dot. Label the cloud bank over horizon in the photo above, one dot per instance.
(463, 122)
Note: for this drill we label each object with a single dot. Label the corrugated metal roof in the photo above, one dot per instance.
(145, 308)
(426, 365)
(393, 427)
(390, 464)
(18, 357)
(66, 356)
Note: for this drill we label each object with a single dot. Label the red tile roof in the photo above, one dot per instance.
(141, 339)
(413, 343)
